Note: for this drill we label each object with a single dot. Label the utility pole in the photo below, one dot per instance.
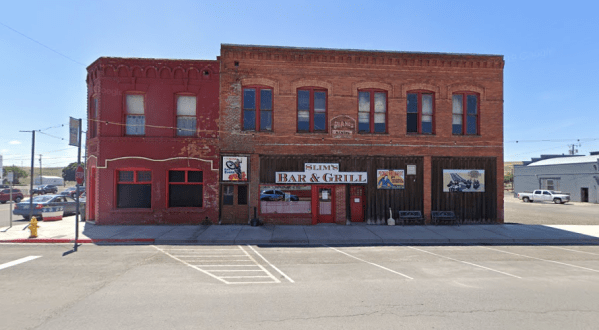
(32, 165)
(41, 181)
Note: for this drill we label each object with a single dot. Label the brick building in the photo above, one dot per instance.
(152, 141)
(326, 135)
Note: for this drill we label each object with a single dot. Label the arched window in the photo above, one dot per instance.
(420, 112)
(372, 111)
(311, 109)
(465, 113)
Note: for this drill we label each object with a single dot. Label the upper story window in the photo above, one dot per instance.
(186, 115)
(420, 112)
(257, 109)
(134, 118)
(311, 110)
(134, 189)
(465, 114)
(93, 123)
(372, 111)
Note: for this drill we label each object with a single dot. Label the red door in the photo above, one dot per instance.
(357, 202)
(324, 210)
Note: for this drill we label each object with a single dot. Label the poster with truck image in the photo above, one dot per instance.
(463, 180)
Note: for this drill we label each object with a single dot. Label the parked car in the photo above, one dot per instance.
(17, 195)
(47, 189)
(276, 195)
(544, 195)
(40, 202)
(72, 191)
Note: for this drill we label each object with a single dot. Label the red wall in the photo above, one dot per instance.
(109, 80)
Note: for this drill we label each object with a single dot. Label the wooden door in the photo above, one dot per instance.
(234, 204)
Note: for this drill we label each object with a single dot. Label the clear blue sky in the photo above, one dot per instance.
(551, 49)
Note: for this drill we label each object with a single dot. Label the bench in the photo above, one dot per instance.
(411, 216)
(444, 216)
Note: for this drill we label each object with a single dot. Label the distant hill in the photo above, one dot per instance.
(46, 171)
(508, 167)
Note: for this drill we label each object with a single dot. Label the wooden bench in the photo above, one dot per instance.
(411, 216)
(444, 216)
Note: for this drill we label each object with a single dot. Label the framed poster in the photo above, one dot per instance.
(463, 180)
(235, 168)
(390, 179)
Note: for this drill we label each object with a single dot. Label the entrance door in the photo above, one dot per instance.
(584, 195)
(358, 204)
(325, 204)
(91, 196)
(234, 204)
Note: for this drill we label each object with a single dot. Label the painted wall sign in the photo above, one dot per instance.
(343, 127)
(390, 179)
(321, 173)
(235, 168)
(463, 180)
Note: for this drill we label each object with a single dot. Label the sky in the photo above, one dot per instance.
(550, 50)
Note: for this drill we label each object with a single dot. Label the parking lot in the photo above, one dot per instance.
(323, 287)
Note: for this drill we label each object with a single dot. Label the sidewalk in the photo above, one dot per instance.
(63, 231)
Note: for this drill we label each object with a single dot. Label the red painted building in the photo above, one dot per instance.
(152, 141)
(329, 135)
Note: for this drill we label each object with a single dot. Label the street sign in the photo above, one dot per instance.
(73, 132)
(79, 175)
(10, 177)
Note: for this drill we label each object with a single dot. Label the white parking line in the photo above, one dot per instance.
(561, 248)
(222, 265)
(553, 261)
(19, 261)
(371, 263)
(465, 262)
(271, 265)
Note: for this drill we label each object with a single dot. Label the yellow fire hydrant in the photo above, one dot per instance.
(33, 227)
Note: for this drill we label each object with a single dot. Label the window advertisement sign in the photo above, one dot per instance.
(463, 180)
(235, 168)
(321, 173)
(390, 179)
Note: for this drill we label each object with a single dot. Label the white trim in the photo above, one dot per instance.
(152, 160)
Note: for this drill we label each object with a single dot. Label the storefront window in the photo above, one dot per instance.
(285, 199)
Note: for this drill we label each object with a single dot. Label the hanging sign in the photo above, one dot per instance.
(321, 173)
(73, 132)
(390, 179)
(463, 180)
(235, 168)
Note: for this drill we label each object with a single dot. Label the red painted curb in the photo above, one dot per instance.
(63, 240)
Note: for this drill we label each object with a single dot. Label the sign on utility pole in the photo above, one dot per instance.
(10, 176)
(1, 171)
(75, 140)
(74, 127)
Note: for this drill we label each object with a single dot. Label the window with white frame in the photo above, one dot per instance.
(186, 115)
(135, 115)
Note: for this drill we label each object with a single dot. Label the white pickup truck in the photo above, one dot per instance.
(544, 195)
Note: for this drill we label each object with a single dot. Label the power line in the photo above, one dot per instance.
(39, 43)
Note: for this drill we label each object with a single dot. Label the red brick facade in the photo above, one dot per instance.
(159, 149)
(342, 74)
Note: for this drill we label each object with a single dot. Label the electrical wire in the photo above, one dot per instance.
(39, 43)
